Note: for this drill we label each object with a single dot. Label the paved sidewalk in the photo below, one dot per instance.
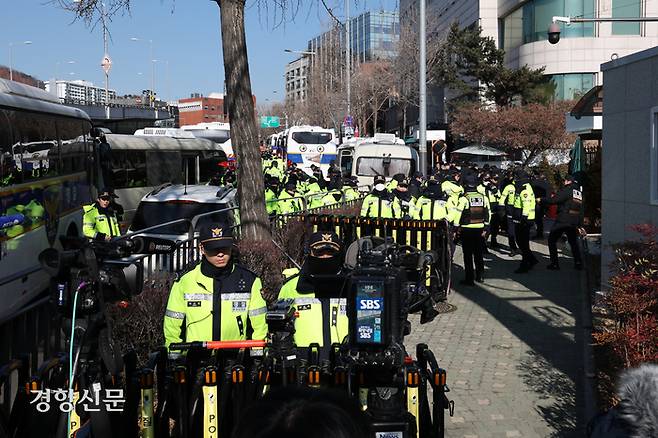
(512, 349)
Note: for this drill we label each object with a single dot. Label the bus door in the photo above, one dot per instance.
(346, 161)
(191, 169)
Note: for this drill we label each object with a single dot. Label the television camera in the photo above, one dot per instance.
(98, 271)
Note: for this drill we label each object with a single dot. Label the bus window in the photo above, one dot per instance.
(37, 135)
(311, 137)
(128, 169)
(8, 171)
(164, 167)
(189, 169)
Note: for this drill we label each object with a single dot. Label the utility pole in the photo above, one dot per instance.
(422, 117)
(106, 63)
(348, 57)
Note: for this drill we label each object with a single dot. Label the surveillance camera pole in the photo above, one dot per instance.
(554, 28)
(569, 20)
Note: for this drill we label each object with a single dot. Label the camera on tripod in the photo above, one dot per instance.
(385, 285)
(101, 272)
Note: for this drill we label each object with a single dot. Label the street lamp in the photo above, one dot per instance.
(300, 52)
(153, 61)
(11, 61)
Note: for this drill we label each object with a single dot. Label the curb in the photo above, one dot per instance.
(589, 372)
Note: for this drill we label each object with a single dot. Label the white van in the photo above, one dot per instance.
(383, 154)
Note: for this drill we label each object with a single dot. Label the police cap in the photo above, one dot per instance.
(324, 240)
(107, 192)
(216, 235)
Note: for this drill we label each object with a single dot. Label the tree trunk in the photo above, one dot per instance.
(404, 122)
(244, 135)
(374, 122)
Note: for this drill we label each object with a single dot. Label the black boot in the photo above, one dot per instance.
(479, 277)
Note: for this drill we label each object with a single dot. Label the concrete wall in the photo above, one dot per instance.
(630, 93)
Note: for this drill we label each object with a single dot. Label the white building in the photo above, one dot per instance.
(296, 79)
(79, 91)
(520, 28)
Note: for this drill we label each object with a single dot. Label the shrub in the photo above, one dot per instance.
(632, 302)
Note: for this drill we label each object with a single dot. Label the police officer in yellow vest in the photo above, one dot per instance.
(322, 317)
(99, 221)
(431, 205)
(219, 299)
(472, 218)
(380, 203)
(524, 216)
(506, 201)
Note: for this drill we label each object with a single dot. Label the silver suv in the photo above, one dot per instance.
(176, 201)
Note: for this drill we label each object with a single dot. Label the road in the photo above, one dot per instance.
(512, 349)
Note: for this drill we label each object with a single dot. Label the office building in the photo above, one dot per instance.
(296, 78)
(520, 28)
(79, 91)
(374, 36)
(202, 109)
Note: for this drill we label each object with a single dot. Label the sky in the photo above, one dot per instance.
(186, 44)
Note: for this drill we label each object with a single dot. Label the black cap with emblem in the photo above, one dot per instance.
(323, 241)
(216, 235)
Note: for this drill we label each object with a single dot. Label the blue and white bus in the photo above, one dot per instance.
(42, 189)
(310, 145)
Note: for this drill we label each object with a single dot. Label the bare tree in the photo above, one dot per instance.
(407, 62)
(374, 85)
(244, 132)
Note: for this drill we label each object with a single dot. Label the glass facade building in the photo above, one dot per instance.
(374, 36)
(529, 23)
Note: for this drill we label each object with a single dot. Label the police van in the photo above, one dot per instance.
(383, 154)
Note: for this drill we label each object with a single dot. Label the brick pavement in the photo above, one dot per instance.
(512, 349)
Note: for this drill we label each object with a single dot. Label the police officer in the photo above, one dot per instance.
(322, 317)
(350, 191)
(100, 221)
(497, 211)
(506, 201)
(432, 203)
(404, 198)
(472, 218)
(416, 184)
(524, 217)
(271, 190)
(569, 220)
(289, 200)
(219, 299)
(380, 202)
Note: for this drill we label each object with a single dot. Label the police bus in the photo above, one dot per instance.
(309, 145)
(137, 164)
(41, 190)
(383, 154)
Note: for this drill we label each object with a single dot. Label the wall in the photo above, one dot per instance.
(630, 92)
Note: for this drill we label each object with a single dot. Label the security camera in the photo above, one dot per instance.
(554, 33)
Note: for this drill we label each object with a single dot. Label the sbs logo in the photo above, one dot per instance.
(370, 305)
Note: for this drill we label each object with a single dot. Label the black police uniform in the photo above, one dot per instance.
(569, 202)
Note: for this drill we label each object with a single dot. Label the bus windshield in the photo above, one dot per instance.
(305, 137)
(372, 166)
